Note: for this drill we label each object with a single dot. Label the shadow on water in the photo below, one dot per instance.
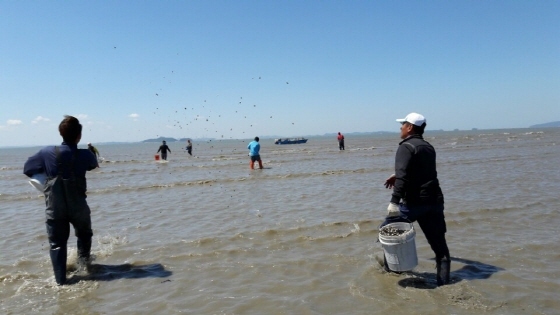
(99, 272)
(472, 270)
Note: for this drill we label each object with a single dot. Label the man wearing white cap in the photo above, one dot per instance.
(417, 195)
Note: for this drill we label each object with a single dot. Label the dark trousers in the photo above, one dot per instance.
(66, 205)
(255, 158)
(432, 222)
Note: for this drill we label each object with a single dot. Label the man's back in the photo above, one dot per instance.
(415, 169)
(163, 148)
(254, 148)
(45, 161)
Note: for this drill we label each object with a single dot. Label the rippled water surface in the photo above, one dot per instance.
(206, 235)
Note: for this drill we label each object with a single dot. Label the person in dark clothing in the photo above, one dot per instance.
(163, 148)
(65, 194)
(340, 139)
(417, 195)
(189, 147)
(93, 149)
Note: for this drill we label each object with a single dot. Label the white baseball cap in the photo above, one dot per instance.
(413, 118)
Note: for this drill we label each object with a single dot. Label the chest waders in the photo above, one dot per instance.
(66, 203)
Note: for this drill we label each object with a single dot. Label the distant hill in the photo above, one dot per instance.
(160, 139)
(168, 139)
(197, 139)
(553, 124)
(359, 133)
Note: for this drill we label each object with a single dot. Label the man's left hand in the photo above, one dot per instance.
(393, 210)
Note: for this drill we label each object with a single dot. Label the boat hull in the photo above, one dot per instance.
(290, 141)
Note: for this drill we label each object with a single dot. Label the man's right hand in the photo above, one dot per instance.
(390, 182)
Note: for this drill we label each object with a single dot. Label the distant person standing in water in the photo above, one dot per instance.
(417, 195)
(65, 194)
(340, 141)
(163, 148)
(93, 150)
(254, 148)
(189, 147)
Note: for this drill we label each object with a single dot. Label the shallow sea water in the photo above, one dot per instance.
(206, 235)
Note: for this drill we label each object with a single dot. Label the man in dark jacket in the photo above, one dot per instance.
(163, 148)
(417, 195)
(65, 194)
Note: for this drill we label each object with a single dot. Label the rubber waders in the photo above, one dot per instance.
(443, 268)
(58, 259)
(84, 247)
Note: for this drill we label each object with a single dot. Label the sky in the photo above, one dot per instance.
(136, 70)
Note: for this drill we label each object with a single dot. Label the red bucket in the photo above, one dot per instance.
(156, 157)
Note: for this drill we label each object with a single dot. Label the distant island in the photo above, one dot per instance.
(160, 139)
(553, 124)
(168, 139)
(360, 133)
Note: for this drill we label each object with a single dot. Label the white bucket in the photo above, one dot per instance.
(38, 181)
(400, 250)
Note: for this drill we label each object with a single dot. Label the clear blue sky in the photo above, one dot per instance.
(132, 70)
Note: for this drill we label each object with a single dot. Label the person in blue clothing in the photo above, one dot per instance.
(65, 194)
(254, 148)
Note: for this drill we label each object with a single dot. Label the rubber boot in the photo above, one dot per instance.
(84, 248)
(58, 259)
(385, 265)
(252, 164)
(260, 164)
(443, 269)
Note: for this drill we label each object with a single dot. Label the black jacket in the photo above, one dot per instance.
(163, 148)
(416, 176)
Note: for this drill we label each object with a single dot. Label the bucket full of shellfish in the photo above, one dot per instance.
(399, 246)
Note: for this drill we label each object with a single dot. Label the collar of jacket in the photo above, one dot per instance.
(411, 137)
(71, 146)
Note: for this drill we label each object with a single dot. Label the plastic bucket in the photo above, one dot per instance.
(156, 157)
(38, 181)
(400, 250)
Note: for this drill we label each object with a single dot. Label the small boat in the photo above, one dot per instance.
(290, 141)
